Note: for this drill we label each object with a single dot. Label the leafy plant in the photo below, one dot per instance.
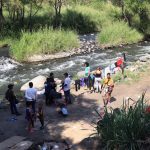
(127, 128)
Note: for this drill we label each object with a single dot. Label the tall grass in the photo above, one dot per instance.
(118, 33)
(45, 41)
(125, 128)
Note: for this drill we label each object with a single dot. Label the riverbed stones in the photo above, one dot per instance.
(145, 58)
(87, 45)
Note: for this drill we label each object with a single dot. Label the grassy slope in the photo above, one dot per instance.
(93, 17)
(45, 41)
(118, 33)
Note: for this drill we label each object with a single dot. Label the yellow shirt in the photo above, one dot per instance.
(108, 82)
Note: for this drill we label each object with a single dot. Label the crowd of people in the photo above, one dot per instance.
(98, 81)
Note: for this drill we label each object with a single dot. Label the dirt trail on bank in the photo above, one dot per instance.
(78, 125)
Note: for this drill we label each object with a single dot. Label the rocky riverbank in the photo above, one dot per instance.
(88, 44)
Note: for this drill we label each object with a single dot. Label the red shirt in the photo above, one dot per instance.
(119, 62)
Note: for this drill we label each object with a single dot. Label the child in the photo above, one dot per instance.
(30, 117)
(63, 110)
(40, 114)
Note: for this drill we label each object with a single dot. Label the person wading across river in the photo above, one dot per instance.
(31, 95)
(10, 96)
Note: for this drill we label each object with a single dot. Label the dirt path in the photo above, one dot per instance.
(77, 125)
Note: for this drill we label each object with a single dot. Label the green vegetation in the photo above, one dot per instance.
(127, 127)
(45, 41)
(118, 33)
(119, 22)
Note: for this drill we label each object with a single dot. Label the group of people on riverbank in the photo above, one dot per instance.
(34, 107)
(97, 81)
(100, 79)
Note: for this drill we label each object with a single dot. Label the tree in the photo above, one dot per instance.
(57, 4)
(1, 15)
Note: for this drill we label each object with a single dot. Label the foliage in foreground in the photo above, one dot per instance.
(118, 33)
(125, 128)
(45, 41)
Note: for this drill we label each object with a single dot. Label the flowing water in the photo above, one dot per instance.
(11, 71)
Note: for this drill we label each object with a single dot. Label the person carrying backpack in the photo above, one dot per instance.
(10, 96)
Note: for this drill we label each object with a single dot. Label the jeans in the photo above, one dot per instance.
(97, 84)
(33, 105)
(13, 107)
(89, 82)
(67, 96)
(77, 85)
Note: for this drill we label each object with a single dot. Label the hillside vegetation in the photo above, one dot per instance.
(116, 23)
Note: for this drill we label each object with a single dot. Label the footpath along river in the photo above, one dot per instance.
(11, 71)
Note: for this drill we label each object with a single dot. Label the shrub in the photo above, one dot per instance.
(83, 19)
(118, 33)
(45, 41)
(125, 128)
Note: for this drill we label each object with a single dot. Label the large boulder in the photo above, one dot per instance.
(38, 83)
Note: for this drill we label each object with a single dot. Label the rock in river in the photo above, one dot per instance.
(38, 83)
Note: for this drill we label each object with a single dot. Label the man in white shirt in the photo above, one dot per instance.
(31, 95)
(66, 88)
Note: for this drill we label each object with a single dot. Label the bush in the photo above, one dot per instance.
(125, 128)
(82, 19)
(118, 33)
(86, 19)
(45, 41)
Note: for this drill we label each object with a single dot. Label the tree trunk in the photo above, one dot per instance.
(30, 18)
(57, 19)
(1, 15)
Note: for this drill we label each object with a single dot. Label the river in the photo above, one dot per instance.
(11, 71)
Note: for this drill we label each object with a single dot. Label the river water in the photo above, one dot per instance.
(19, 74)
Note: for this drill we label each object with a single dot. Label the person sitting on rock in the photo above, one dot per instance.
(63, 110)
